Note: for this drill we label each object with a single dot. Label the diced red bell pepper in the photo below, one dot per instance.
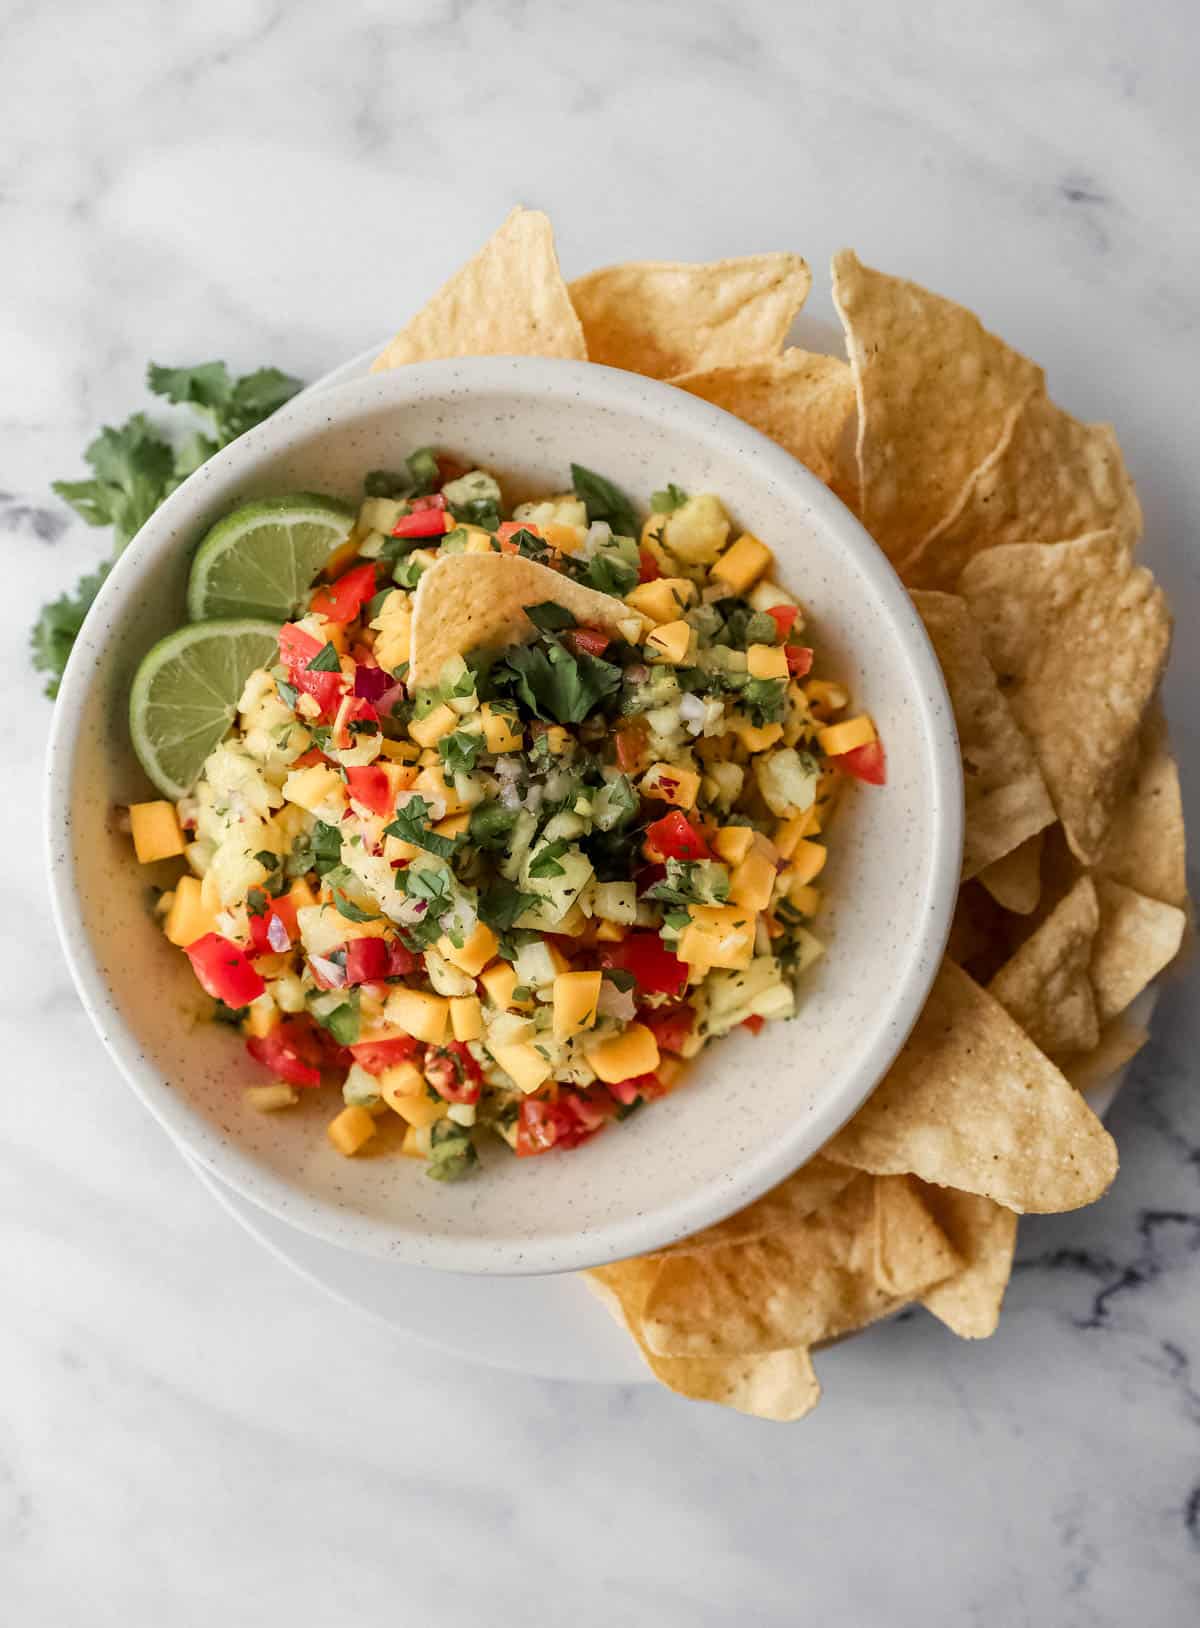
(402, 961)
(784, 617)
(655, 970)
(307, 759)
(670, 1025)
(675, 837)
(586, 641)
(591, 1109)
(453, 1072)
(282, 910)
(224, 970)
(370, 786)
(366, 960)
(799, 659)
(630, 739)
(648, 567)
(296, 647)
(292, 1051)
(754, 1023)
(434, 500)
(377, 1055)
(543, 1125)
(423, 523)
(325, 688)
(867, 763)
(341, 601)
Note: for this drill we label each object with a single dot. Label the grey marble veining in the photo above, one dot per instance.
(189, 1434)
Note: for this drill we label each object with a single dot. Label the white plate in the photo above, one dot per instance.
(550, 1327)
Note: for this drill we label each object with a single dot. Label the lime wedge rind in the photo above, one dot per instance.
(262, 559)
(184, 695)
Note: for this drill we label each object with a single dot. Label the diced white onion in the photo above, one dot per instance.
(616, 1003)
(598, 533)
(692, 710)
(328, 971)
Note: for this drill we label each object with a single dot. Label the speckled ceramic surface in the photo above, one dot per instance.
(756, 1107)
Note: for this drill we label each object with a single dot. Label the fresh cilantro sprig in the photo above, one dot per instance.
(135, 466)
(411, 824)
(604, 501)
(553, 683)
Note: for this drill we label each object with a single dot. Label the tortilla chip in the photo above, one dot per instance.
(1137, 938)
(1016, 880)
(799, 400)
(937, 395)
(911, 1250)
(1006, 797)
(1119, 1044)
(1146, 847)
(663, 318)
(810, 1283)
(985, 1236)
(1079, 639)
(813, 1187)
(1045, 987)
(972, 1103)
(477, 601)
(1053, 478)
(777, 1385)
(508, 300)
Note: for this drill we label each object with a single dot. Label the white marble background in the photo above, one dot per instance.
(190, 1435)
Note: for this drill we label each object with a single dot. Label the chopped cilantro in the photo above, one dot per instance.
(460, 750)
(502, 903)
(411, 825)
(288, 693)
(604, 501)
(610, 573)
(337, 878)
(619, 978)
(423, 472)
(325, 661)
(546, 864)
(553, 683)
(228, 1014)
(549, 617)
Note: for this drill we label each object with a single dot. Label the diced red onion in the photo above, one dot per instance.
(637, 673)
(372, 682)
(395, 692)
(333, 976)
(277, 934)
(693, 712)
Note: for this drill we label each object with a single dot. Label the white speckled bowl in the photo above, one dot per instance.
(756, 1107)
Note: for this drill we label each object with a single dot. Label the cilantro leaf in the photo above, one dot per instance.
(411, 825)
(233, 405)
(554, 684)
(460, 750)
(58, 625)
(610, 573)
(134, 468)
(546, 864)
(502, 903)
(549, 617)
(423, 471)
(325, 661)
(604, 501)
(338, 877)
(674, 497)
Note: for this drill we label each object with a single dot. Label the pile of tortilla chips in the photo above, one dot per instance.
(1015, 528)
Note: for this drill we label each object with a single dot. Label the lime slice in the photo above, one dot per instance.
(262, 559)
(185, 695)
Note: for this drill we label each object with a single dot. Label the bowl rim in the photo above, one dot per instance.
(640, 1231)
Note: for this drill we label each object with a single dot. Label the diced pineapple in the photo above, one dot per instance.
(268, 1099)
(743, 563)
(416, 1142)
(733, 843)
(663, 600)
(835, 739)
(419, 1013)
(399, 751)
(524, 1065)
(320, 790)
(432, 785)
(802, 896)
(575, 998)
(428, 731)
(718, 936)
(697, 531)
(825, 697)
(351, 1130)
(261, 1016)
(788, 832)
(624, 1056)
(557, 739)
(502, 730)
(615, 901)
(156, 831)
(400, 1082)
(612, 932)
(753, 881)
(190, 915)
(754, 737)
(764, 596)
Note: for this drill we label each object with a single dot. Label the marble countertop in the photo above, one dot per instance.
(190, 1434)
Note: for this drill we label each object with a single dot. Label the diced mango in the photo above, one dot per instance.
(718, 936)
(454, 825)
(523, 1064)
(557, 739)
(753, 881)
(432, 785)
(156, 831)
(669, 1069)
(766, 661)
(466, 1017)
(399, 751)
(502, 730)
(575, 998)
(190, 915)
(808, 861)
(664, 599)
(573, 923)
(611, 932)
(561, 536)
(416, 1142)
(754, 737)
(269, 1099)
(742, 563)
(320, 790)
(402, 1080)
(670, 784)
(261, 1016)
(733, 843)
(419, 1110)
(477, 950)
(835, 739)
(429, 730)
(419, 1013)
(499, 980)
(803, 897)
(624, 1056)
(478, 541)
(400, 777)
(669, 643)
(788, 832)
(351, 1131)
(825, 697)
